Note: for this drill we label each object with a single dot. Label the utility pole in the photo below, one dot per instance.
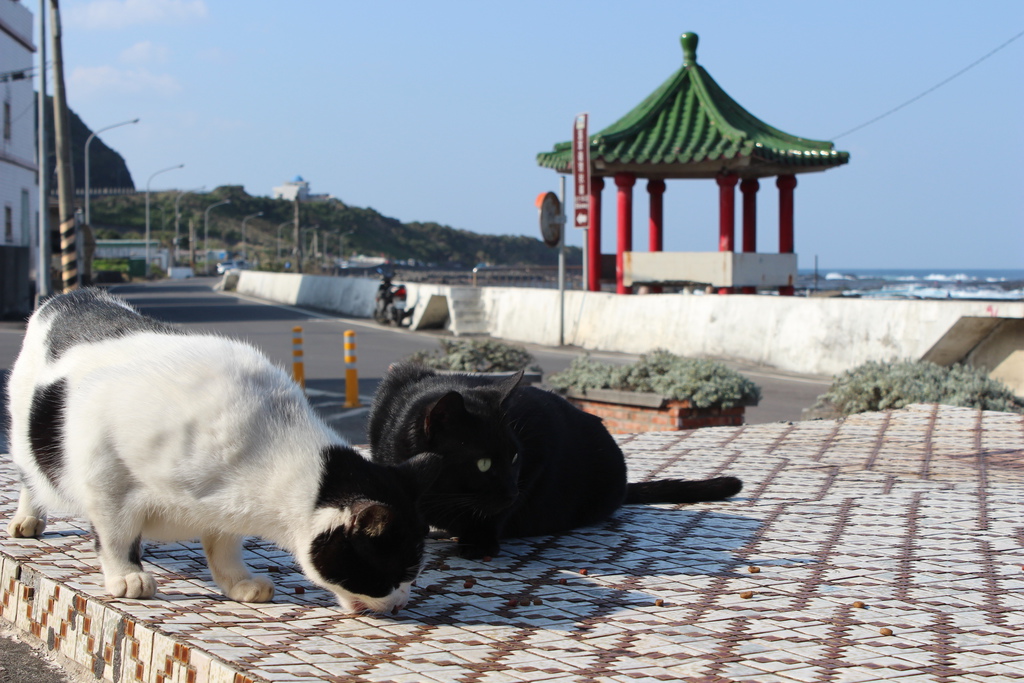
(192, 244)
(44, 286)
(298, 237)
(65, 176)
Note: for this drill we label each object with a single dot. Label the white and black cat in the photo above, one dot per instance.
(516, 461)
(151, 432)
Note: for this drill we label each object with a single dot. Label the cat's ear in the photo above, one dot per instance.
(508, 385)
(446, 413)
(370, 518)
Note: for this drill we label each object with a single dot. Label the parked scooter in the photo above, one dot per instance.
(390, 305)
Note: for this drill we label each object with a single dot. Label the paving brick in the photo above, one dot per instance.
(915, 513)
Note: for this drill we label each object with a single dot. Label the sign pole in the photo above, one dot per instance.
(561, 267)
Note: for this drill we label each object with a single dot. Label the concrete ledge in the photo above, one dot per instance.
(627, 398)
(814, 336)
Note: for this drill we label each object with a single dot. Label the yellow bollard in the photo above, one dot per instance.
(351, 374)
(298, 369)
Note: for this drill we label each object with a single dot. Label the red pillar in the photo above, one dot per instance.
(748, 188)
(786, 185)
(655, 225)
(726, 215)
(625, 182)
(594, 236)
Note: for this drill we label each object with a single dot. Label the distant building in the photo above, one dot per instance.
(18, 184)
(298, 188)
(133, 250)
(18, 171)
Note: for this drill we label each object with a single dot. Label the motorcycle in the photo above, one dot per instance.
(390, 303)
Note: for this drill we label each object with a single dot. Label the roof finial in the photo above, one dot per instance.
(689, 41)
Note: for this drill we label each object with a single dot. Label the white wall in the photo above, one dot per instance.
(17, 155)
(820, 336)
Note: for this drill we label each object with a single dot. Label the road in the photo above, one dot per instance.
(194, 305)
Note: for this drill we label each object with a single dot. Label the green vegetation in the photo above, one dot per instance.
(118, 265)
(891, 385)
(476, 355)
(704, 382)
(334, 228)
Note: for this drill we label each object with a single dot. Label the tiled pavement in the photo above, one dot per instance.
(916, 515)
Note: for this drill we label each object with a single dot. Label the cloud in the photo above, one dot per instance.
(145, 52)
(107, 80)
(115, 14)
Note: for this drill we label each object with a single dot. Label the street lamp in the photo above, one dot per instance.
(341, 242)
(313, 229)
(177, 220)
(88, 219)
(245, 254)
(163, 170)
(279, 237)
(206, 234)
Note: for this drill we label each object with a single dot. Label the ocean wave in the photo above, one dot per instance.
(925, 292)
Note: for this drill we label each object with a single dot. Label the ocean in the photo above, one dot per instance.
(936, 283)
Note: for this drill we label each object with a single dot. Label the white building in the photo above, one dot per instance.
(298, 188)
(19, 205)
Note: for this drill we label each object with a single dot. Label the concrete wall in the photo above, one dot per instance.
(346, 295)
(821, 336)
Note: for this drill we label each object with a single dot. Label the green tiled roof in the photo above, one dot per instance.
(690, 128)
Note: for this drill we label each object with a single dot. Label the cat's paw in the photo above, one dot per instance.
(133, 585)
(256, 589)
(476, 551)
(26, 527)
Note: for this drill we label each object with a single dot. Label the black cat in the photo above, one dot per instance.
(516, 461)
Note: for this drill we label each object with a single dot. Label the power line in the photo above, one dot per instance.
(931, 89)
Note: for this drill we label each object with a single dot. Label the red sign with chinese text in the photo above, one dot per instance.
(581, 172)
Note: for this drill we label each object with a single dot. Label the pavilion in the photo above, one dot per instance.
(690, 128)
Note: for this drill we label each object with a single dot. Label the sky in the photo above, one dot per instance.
(435, 111)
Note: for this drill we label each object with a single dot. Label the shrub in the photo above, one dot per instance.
(704, 382)
(891, 385)
(476, 355)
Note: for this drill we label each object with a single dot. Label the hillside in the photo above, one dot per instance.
(107, 168)
(340, 230)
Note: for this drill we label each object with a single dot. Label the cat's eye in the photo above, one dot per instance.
(483, 464)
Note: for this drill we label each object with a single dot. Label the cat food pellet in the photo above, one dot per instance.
(469, 583)
(538, 601)
(659, 602)
(885, 631)
(299, 590)
(753, 570)
(513, 602)
(747, 595)
(583, 571)
(859, 605)
(562, 582)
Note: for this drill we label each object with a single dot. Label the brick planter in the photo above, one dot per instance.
(627, 412)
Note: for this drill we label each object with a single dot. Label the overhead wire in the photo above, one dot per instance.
(929, 90)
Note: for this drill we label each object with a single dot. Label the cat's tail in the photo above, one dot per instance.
(682, 491)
